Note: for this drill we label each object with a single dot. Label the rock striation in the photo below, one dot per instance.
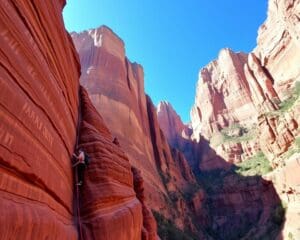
(43, 116)
(116, 88)
(39, 109)
(248, 105)
(109, 207)
(278, 45)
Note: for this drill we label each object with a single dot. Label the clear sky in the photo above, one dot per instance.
(172, 39)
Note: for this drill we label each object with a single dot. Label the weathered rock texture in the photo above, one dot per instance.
(237, 89)
(109, 207)
(116, 87)
(39, 102)
(234, 205)
(278, 44)
(179, 135)
(246, 104)
(39, 82)
(149, 231)
(223, 95)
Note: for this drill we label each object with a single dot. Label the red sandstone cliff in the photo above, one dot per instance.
(39, 81)
(39, 102)
(116, 88)
(250, 104)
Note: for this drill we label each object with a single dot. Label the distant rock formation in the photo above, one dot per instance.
(116, 88)
(247, 105)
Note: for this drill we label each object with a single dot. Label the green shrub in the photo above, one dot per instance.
(288, 103)
(256, 165)
(235, 133)
(291, 236)
(295, 148)
(168, 231)
(278, 215)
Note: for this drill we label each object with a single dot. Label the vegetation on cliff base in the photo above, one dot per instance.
(295, 148)
(167, 230)
(288, 103)
(235, 133)
(256, 165)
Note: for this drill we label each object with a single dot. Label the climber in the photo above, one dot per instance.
(82, 162)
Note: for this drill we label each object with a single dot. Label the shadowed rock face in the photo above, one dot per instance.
(247, 105)
(235, 206)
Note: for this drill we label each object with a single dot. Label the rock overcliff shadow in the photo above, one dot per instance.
(239, 207)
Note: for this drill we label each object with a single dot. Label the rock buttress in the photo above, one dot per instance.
(108, 203)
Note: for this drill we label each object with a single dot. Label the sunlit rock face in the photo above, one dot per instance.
(245, 106)
(278, 44)
(39, 81)
(223, 95)
(116, 88)
(38, 118)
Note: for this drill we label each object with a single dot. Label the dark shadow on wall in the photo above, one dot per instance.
(238, 207)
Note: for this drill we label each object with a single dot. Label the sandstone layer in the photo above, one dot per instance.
(247, 105)
(116, 88)
(39, 112)
(108, 203)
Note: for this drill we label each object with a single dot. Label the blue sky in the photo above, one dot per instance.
(173, 40)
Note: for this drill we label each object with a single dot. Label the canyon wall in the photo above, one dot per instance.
(40, 112)
(238, 95)
(116, 88)
(108, 203)
(246, 112)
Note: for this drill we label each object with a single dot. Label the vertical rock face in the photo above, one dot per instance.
(116, 88)
(109, 207)
(39, 82)
(170, 122)
(278, 44)
(178, 134)
(149, 231)
(250, 104)
(223, 95)
(234, 90)
(39, 102)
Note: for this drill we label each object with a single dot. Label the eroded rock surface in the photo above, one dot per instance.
(109, 207)
(39, 109)
(116, 87)
(39, 82)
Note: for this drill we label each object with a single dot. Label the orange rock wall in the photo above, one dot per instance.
(39, 74)
(39, 82)
(116, 88)
(108, 203)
